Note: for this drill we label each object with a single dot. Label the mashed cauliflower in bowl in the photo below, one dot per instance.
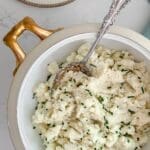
(108, 111)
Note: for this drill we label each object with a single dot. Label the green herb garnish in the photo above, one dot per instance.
(123, 70)
(43, 102)
(92, 65)
(130, 96)
(107, 110)
(131, 111)
(74, 80)
(34, 94)
(53, 125)
(121, 56)
(89, 92)
(126, 124)
(79, 84)
(100, 99)
(109, 87)
(142, 90)
(82, 104)
(60, 65)
(48, 77)
(127, 135)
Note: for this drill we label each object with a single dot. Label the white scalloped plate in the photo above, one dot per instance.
(46, 3)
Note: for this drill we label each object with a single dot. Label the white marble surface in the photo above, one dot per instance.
(135, 16)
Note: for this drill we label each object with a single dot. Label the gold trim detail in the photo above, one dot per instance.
(11, 38)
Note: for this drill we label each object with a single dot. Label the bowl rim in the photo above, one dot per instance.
(41, 48)
(35, 4)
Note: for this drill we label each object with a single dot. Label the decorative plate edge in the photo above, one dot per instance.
(46, 5)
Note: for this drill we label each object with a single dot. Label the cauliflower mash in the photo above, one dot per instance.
(108, 111)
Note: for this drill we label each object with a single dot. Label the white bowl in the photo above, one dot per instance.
(21, 106)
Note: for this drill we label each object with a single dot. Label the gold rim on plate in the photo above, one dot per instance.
(46, 5)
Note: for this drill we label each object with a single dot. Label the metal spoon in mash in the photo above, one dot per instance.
(108, 21)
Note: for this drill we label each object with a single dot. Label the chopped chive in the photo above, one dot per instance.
(79, 84)
(43, 102)
(34, 94)
(121, 126)
(34, 127)
(60, 65)
(127, 124)
(92, 65)
(74, 80)
(130, 96)
(136, 148)
(66, 92)
(142, 90)
(70, 79)
(109, 87)
(121, 56)
(127, 135)
(53, 125)
(106, 123)
(82, 103)
(107, 110)
(123, 70)
(124, 124)
(100, 99)
(49, 124)
(131, 111)
(48, 77)
(89, 92)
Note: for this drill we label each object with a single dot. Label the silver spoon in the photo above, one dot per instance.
(108, 21)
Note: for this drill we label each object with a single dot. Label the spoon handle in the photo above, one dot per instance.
(108, 21)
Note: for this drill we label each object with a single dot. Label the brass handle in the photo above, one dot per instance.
(11, 38)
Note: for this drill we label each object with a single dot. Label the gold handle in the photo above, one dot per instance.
(11, 38)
